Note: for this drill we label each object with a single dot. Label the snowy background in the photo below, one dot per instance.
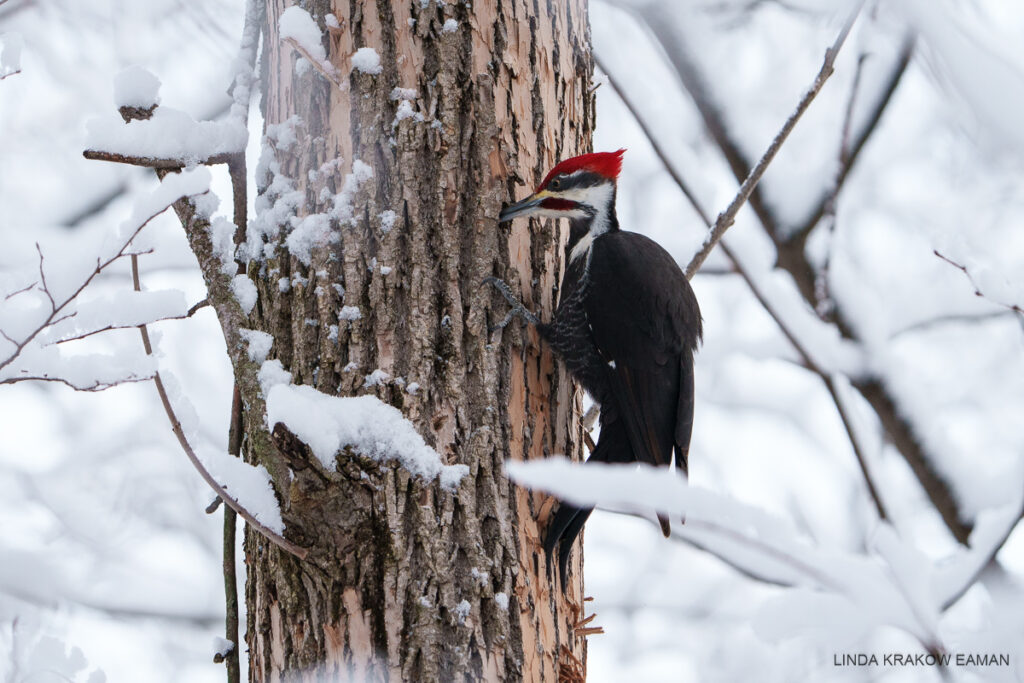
(108, 562)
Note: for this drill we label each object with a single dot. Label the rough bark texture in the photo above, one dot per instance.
(402, 576)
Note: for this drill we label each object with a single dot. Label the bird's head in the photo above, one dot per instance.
(580, 187)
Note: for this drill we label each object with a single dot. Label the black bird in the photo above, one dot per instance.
(626, 326)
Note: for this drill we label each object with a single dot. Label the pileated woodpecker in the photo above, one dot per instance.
(626, 326)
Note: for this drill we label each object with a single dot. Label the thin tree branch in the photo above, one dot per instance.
(231, 660)
(952, 319)
(55, 308)
(201, 304)
(271, 535)
(151, 162)
(241, 95)
(977, 288)
(96, 387)
(728, 217)
(666, 161)
(108, 328)
(858, 144)
(823, 305)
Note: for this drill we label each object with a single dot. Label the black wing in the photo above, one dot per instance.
(646, 324)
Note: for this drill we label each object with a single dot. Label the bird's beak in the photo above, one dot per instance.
(523, 208)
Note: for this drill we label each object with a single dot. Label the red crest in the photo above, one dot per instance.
(607, 164)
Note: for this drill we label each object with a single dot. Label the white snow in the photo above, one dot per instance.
(332, 21)
(367, 60)
(365, 424)
(222, 646)
(350, 313)
(342, 209)
(271, 374)
(387, 220)
(136, 87)
(894, 586)
(169, 134)
(244, 290)
(413, 388)
(450, 26)
(222, 237)
(375, 378)
(259, 343)
(297, 24)
(501, 599)
(308, 233)
(403, 93)
(173, 187)
(404, 111)
(10, 56)
(462, 611)
(248, 484)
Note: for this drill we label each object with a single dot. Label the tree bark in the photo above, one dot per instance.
(406, 581)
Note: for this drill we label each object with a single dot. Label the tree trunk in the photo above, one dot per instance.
(406, 581)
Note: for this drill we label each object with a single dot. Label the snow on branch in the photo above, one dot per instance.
(246, 489)
(170, 138)
(41, 311)
(1000, 284)
(163, 138)
(298, 28)
(835, 596)
(367, 425)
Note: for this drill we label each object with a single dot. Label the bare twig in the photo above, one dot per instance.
(728, 217)
(54, 316)
(990, 557)
(858, 144)
(951, 319)
(977, 288)
(95, 387)
(201, 304)
(230, 580)
(271, 535)
(108, 328)
(823, 304)
(322, 69)
(150, 162)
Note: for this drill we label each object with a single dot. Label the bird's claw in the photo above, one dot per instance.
(517, 310)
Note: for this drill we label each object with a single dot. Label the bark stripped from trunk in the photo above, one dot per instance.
(406, 581)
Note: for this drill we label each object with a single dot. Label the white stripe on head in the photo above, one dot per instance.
(599, 198)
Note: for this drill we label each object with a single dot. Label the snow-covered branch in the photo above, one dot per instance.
(838, 596)
(49, 309)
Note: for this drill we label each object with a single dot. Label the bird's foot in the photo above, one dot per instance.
(517, 310)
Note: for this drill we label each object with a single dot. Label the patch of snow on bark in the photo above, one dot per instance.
(365, 424)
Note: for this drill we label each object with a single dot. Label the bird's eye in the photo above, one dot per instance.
(555, 184)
